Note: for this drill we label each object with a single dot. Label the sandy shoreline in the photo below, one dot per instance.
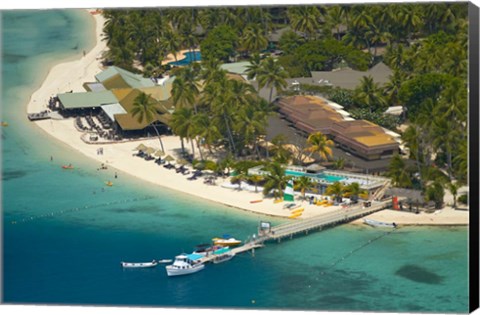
(119, 156)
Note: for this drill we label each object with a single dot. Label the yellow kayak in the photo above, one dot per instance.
(297, 210)
(295, 215)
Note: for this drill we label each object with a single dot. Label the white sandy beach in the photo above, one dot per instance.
(71, 76)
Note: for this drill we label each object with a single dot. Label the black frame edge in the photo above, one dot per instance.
(474, 235)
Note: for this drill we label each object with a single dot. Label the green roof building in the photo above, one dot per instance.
(86, 99)
(118, 78)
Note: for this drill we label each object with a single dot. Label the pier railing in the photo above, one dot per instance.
(323, 220)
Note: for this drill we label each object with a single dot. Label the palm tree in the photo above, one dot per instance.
(185, 88)
(207, 131)
(435, 192)
(183, 123)
(410, 17)
(303, 184)
(453, 187)
(336, 189)
(144, 110)
(254, 39)
(250, 124)
(392, 88)
(461, 161)
(238, 179)
(353, 191)
(256, 179)
(272, 75)
(375, 35)
(255, 67)
(335, 19)
(280, 153)
(304, 19)
(398, 172)
(275, 179)
(339, 163)
(319, 143)
(171, 43)
(369, 95)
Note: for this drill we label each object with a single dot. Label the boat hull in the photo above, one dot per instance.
(138, 265)
(172, 271)
(379, 224)
(223, 258)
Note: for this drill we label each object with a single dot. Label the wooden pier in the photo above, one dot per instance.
(250, 246)
(323, 220)
(316, 223)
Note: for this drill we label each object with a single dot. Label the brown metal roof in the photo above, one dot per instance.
(127, 121)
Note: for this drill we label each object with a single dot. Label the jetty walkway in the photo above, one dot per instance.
(323, 220)
(305, 225)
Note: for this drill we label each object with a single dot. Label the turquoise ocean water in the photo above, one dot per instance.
(71, 233)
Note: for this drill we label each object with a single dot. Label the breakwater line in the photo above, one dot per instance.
(55, 213)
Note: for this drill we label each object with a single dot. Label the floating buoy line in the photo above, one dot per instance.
(51, 214)
(369, 242)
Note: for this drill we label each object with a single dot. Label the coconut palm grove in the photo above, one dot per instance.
(224, 119)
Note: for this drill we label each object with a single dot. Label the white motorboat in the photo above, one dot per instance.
(151, 264)
(185, 264)
(379, 223)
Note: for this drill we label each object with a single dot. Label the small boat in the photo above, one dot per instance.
(67, 167)
(295, 215)
(379, 223)
(38, 116)
(165, 261)
(4, 124)
(151, 264)
(289, 205)
(185, 264)
(205, 249)
(109, 183)
(297, 210)
(226, 241)
(256, 201)
(222, 255)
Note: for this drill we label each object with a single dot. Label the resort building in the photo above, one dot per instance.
(347, 78)
(311, 114)
(108, 103)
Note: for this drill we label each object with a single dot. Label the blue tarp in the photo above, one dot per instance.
(194, 256)
(221, 251)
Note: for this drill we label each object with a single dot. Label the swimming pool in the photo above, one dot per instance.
(189, 58)
(328, 178)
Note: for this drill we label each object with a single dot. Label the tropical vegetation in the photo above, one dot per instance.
(425, 45)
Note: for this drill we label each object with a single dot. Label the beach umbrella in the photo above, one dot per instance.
(169, 158)
(141, 147)
(159, 153)
(182, 161)
(150, 150)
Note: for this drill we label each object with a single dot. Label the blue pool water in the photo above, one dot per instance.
(64, 235)
(189, 58)
(328, 178)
